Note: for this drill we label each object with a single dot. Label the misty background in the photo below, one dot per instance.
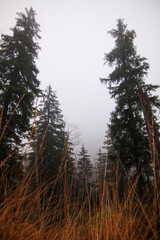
(74, 41)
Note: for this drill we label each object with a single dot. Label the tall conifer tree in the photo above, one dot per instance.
(128, 131)
(52, 148)
(84, 166)
(18, 80)
(50, 140)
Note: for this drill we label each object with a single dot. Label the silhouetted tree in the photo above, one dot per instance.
(18, 84)
(101, 165)
(128, 131)
(50, 137)
(84, 166)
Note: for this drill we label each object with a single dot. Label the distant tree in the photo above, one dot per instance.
(84, 166)
(51, 137)
(128, 131)
(106, 165)
(101, 165)
(52, 148)
(110, 153)
(18, 80)
(70, 157)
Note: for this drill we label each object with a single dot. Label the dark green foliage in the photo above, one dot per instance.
(84, 166)
(128, 131)
(18, 79)
(109, 157)
(101, 162)
(51, 147)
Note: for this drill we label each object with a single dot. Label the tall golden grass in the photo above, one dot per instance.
(24, 216)
(64, 216)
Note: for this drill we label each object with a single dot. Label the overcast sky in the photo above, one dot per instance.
(74, 40)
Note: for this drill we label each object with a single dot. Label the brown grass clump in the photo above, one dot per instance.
(24, 216)
(28, 213)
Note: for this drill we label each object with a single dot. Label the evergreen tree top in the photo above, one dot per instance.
(24, 21)
(130, 68)
(84, 164)
(18, 74)
(124, 48)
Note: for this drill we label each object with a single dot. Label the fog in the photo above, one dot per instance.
(74, 40)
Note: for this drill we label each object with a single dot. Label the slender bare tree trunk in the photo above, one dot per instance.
(154, 142)
(153, 135)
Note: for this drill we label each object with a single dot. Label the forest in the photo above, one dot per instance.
(47, 191)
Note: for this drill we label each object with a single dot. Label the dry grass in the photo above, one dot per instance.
(24, 216)
(27, 213)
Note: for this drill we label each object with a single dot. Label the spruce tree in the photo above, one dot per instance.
(51, 147)
(128, 131)
(18, 80)
(101, 165)
(50, 139)
(84, 166)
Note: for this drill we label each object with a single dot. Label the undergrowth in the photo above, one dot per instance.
(27, 212)
(38, 209)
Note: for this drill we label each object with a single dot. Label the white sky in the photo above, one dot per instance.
(74, 40)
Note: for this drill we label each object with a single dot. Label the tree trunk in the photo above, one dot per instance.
(153, 135)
